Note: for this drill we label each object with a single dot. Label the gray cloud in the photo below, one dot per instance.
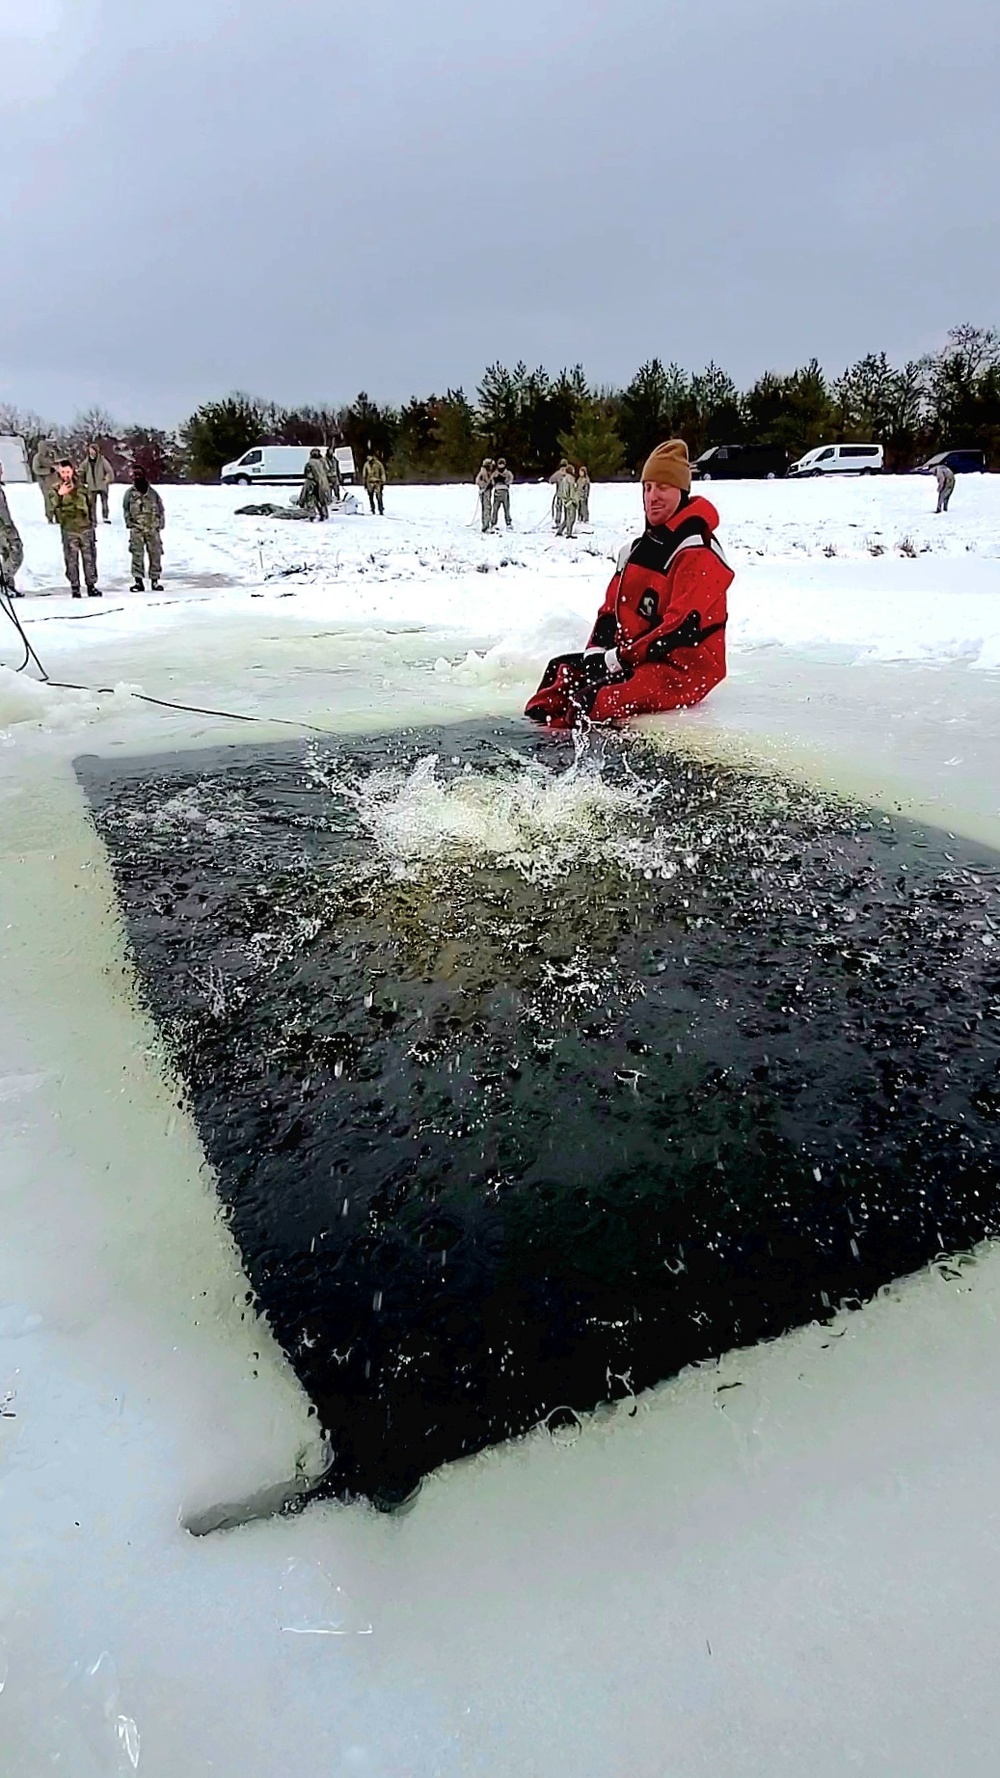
(308, 198)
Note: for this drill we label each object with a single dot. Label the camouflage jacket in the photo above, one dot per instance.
(143, 512)
(503, 478)
(484, 479)
(373, 473)
(567, 489)
(72, 510)
(7, 525)
(43, 463)
(315, 471)
(95, 474)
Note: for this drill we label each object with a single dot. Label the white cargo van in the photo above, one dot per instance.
(841, 459)
(274, 464)
(14, 458)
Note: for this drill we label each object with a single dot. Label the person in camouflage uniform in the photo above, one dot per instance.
(374, 478)
(315, 496)
(945, 477)
(45, 469)
(583, 494)
(556, 478)
(11, 547)
(484, 487)
(567, 495)
(333, 474)
(502, 479)
(96, 476)
(71, 510)
(142, 510)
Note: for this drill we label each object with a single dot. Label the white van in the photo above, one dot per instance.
(273, 464)
(841, 459)
(14, 458)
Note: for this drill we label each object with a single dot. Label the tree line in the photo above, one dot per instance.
(950, 398)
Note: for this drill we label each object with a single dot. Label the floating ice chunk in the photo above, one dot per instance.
(95, 1698)
(311, 1604)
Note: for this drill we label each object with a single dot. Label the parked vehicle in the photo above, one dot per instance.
(14, 458)
(841, 459)
(960, 462)
(737, 462)
(276, 464)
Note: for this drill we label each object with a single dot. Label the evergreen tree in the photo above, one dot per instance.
(457, 444)
(219, 432)
(594, 440)
(504, 398)
(413, 450)
(652, 408)
(715, 413)
(794, 412)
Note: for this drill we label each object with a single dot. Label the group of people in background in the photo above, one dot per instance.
(493, 484)
(320, 484)
(72, 494)
(571, 500)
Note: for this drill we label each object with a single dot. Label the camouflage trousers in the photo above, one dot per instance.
(80, 546)
(501, 503)
(141, 544)
(11, 553)
(583, 510)
(93, 496)
(567, 519)
(48, 487)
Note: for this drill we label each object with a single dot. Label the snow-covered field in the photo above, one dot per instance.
(802, 1574)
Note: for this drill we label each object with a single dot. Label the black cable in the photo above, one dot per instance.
(108, 691)
(7, 605)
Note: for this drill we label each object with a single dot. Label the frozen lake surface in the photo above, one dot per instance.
(785, 1560)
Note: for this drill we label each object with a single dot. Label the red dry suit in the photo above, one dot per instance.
(659, 642)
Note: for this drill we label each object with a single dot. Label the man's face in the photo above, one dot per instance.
(65, 476)
(660, 503)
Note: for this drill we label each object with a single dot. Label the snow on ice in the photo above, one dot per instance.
(782, 1563)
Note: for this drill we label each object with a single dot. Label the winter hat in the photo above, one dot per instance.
(669, 466)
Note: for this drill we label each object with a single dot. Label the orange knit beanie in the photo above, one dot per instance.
(669, 466)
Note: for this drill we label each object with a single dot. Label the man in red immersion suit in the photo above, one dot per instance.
(659, 642)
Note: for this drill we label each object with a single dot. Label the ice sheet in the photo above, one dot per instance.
(798, 1573)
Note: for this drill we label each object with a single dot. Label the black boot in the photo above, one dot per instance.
(138, 585)
(77, 593)
(94, 592)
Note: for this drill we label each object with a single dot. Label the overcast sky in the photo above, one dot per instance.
(307, 197)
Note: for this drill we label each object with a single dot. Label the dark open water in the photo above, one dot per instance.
(493, 1148)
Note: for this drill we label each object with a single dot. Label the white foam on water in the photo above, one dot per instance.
(526, 816)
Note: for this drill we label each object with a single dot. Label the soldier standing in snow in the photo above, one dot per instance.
(567, 497)
(333, 473)
(11, 547)
(142, 510)
(556, 478)
(45, 469)
(374, 478)
(484, 487)
(502, 479)
(583, 494)
(315, 496)
(71, 512)
(945, 485)
(96, 476)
